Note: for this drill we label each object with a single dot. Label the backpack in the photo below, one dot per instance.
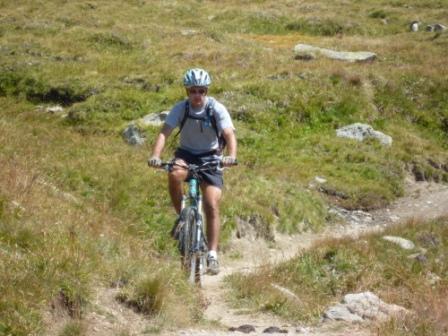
(208, 119)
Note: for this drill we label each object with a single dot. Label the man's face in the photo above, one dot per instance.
(197, 95)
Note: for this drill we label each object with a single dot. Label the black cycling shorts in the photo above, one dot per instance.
(212, 176)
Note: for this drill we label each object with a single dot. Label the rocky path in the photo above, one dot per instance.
(422, 200)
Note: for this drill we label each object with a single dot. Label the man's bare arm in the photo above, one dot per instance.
(229, 136)
(161, 140)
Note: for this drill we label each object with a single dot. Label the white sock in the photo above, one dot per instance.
(212, 254)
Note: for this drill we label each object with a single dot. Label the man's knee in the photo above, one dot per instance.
(178, 173)
(212, 206)
(212, 199)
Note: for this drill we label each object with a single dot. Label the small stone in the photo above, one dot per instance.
(55, 109)
(340, 312)
(414, 25)
(276, 330)
(188, 32)
(320, 180)
(304, 330)
(304, 57)
(403, 243)
(432, 278)
(245, 328)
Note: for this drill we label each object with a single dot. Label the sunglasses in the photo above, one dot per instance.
(197, 91)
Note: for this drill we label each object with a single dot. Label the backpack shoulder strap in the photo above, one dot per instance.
(211, 116)
(185, 117)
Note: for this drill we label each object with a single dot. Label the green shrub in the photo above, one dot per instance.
(73, 328)
(378, 14)
(110, 40)
(325, 27)
(37, 89)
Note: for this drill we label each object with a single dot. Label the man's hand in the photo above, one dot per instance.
(155, 162)
(228, 161)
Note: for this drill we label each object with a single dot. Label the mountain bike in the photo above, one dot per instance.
(192, 243)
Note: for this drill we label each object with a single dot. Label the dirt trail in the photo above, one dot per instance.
(422, 200)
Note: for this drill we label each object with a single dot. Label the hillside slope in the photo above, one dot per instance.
(79, 209)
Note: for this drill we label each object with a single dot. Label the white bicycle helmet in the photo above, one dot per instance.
(197, 77)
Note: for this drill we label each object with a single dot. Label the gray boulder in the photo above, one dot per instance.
(362, 307)
(369, 306)
(306, 51)
(153, 119)
(340, 312)
(132, 135)
(361, 132)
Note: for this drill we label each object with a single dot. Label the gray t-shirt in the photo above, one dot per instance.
(198, 136)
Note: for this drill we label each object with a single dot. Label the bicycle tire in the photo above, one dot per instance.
(201, 255)
(201, 265)
(186, 242)
(193, 263)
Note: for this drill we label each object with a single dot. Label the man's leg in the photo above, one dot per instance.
(212, 197)
(176, 177)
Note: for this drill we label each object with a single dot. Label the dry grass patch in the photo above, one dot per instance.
(58, 240)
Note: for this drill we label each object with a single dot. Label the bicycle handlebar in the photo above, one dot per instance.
(192, 167)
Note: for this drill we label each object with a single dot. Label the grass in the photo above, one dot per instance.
(111, 63)
(72, 329)
(61, 253)
(333, 268)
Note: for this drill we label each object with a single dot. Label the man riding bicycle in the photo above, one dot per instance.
(204, 126)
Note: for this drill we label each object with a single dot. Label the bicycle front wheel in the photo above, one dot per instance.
(186, 242)
(191, 246)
